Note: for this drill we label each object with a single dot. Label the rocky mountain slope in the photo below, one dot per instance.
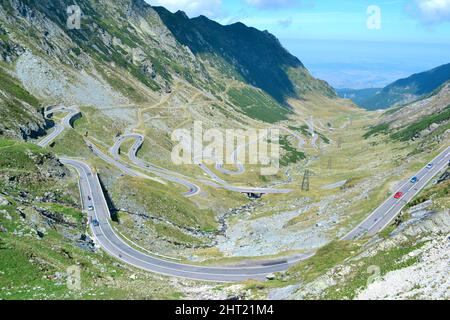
(404, 91)
(134, 68)
(79, 66)
(46, 252)
(409, 260)
(426, 121)
(126, 34)
(19, 109)
(247, 53)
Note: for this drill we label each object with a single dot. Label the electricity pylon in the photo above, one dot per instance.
(305, 183)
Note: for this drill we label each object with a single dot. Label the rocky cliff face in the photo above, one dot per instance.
(126, 47)
(19, 110)
(125, 34)
(9, 51)
(255, 56)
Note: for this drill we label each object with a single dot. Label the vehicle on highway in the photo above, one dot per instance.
(414, 180)
(95, 223)
(91, 208)
(399, 195)
(430, 166)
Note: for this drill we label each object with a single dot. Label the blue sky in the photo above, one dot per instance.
(332, 36)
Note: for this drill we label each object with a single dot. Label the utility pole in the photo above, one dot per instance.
(305, 183)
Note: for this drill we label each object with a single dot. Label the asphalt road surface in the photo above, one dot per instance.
(114, 245)
(107, 238)
(390, 209)
(59, 127)
(240, 168)
(160, 172)
(95, 204)
(122, 167)
(171, 176)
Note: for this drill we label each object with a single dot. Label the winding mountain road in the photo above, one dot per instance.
(114, 245)
(93, 198)
(157, 171)
(171, 176)
(122, 167)
(107, 238)
(310, 123)
(59, 127)
(240, 168)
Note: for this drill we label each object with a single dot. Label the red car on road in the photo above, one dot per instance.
(398, 195)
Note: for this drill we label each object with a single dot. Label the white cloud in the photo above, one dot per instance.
(277, 4)
(209, 8)
(430, 11)
(271, 4)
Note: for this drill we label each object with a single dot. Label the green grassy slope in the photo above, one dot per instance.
(413, 129)
(41, 236)
(408, 89)
(17, 106)
(258, 105)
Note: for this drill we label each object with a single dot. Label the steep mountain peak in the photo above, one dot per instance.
(133, 51)
(254, 56)
(182, 14)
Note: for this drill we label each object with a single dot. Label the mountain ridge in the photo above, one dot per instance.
(402, 91)
(135, 85)
(256, 56)
(130, 35)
